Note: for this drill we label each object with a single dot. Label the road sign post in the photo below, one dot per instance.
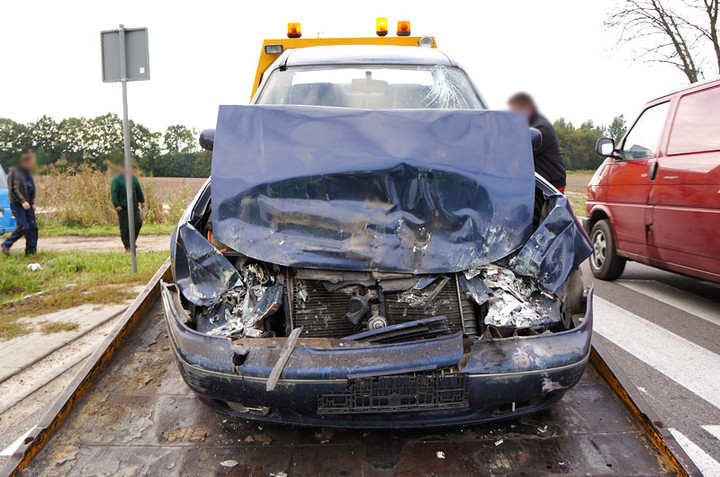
(125, 57)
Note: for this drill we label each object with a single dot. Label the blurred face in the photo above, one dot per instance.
(526, 109)
(27, 162)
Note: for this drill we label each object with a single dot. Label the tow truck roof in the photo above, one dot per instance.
(365, 54)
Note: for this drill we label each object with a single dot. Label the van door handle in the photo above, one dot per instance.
(653, 170)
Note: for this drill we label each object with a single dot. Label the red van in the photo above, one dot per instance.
(656, 198)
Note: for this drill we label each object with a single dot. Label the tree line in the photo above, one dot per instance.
(97, 142)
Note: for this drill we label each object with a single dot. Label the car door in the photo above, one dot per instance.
(7, 223)
(685, 194)
(629, 180)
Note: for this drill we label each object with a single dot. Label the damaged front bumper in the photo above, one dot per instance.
(445, 381)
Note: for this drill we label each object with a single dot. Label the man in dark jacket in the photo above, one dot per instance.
(118, 192)
(548, 157)
(21, 190)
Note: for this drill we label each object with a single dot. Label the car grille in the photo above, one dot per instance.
(322, 313)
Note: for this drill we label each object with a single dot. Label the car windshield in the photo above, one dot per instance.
(372, 87)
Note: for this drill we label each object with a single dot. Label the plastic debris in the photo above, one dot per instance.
(229, 463)
(34, 267)
(440, 454)
(498, 442)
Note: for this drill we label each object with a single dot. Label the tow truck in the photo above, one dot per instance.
(128, 410)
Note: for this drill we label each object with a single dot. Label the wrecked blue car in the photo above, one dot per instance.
(376, 267)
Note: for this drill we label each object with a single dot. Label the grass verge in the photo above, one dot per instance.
(67, 279)
(102, 230)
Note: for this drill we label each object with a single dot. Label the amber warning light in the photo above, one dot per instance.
(403, 29)
(294, 30)
(381, 26)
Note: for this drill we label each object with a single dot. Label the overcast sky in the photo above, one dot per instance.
(204, 53)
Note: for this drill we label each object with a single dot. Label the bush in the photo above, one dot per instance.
(79, 196)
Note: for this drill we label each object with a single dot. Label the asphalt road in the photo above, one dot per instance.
(663, 329)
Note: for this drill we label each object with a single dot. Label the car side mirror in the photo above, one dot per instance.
(207, 139)
(535, 139)
(605, 146)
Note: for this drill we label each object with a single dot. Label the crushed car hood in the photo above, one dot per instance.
(412, 191)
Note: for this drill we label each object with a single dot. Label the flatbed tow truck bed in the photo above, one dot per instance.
(128, 412)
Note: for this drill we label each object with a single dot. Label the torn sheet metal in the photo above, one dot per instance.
(240, 310)
(557, 247)
(512, 300)
(202, 273)
(431, 191)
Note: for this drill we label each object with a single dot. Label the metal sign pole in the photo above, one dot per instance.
(130, 209)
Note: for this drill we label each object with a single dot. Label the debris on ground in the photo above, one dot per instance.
(185, 434)
(34, 267)
(259, 437)
(229, 463)
(440, 454)
(498, 442)
(324, 435)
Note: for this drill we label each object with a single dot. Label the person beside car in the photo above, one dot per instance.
(548, 157)
(22, 191)
(118, 193)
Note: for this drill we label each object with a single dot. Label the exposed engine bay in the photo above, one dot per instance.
(269, 301)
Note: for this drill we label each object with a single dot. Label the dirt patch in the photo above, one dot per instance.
(578, 184)
(73, 243)
(186, 434)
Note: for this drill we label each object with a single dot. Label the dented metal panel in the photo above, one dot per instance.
(422, 191)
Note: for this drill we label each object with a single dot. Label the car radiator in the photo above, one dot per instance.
(321, 313)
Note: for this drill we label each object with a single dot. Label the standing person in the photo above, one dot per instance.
(118, 192)
(21, 189)
(548, 157)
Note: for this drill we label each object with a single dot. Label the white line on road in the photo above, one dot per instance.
(674, 356)
(703, 308)
(707, 465)
(10, 450)
(714, 430)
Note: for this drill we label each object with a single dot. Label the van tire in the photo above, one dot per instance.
(605, 262)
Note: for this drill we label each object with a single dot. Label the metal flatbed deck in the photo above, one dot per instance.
(128, 412)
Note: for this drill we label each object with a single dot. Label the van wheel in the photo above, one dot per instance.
(605, 263)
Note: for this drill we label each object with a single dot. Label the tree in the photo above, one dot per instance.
(578, 145)
(617, 128)
(674, 32)
(203, 165)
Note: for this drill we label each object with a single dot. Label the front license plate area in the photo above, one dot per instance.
(401, 393)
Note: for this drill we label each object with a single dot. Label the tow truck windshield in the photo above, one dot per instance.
(372, 87)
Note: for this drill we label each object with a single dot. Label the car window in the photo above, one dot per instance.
(3, 179)
(372, 87)
(642, 140)
(697, 123)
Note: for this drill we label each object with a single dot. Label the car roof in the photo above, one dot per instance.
(689, 88)
(366, 54)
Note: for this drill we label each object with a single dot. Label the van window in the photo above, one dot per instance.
(642, 141)
(697, 123)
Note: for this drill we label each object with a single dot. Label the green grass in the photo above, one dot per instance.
(67, 279)
(101, 230)
(47, 327)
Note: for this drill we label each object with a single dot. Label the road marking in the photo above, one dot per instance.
(707, 465)
(703, 308)
(10, 450)
(679, 359)
(714, 430)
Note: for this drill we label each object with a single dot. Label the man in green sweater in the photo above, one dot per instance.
(118, 193)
